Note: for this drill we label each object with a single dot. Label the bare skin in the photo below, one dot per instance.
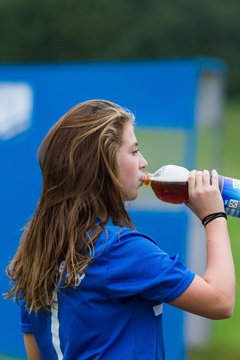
(32, 350)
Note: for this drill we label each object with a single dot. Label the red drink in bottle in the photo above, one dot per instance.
(169, 191)
(169, 183)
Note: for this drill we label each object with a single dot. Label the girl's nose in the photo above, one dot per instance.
(143, 162)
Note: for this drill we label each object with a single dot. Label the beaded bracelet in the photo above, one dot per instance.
(212, 217)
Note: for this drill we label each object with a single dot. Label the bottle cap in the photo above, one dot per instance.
(147, 180)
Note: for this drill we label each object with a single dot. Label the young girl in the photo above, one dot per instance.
(90, 285)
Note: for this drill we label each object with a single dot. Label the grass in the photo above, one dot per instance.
(225, 337)
(213, 352)
(8, 358)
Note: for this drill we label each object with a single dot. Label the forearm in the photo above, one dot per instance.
(31, 346)
(220, 273)
(213, 294)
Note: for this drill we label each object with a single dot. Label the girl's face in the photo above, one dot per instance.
(130, 162)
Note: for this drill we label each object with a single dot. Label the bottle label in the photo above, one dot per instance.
(231, 196)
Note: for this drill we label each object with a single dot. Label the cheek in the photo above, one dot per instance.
(128, 170)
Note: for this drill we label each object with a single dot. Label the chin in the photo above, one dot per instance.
(131, 197)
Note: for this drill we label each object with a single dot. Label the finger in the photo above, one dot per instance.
(206, 177)
(191, 180)
(214, 178)
(199, 178)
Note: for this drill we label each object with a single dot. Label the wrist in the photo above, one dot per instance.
(211, 217)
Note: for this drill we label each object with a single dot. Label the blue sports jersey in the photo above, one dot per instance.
(115, 311)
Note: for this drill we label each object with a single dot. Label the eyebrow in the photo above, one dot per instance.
(134, 145)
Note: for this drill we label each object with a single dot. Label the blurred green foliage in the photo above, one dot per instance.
(74, 30)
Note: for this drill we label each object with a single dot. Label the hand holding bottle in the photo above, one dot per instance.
(170, 184)
(204, 194)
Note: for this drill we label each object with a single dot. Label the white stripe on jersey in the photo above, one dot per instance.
(158, 309)
(55, 328)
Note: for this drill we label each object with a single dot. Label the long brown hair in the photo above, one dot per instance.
(78, 160)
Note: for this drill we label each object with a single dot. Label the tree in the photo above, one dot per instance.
(74, 30)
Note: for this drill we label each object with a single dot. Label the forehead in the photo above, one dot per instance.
(129, 137)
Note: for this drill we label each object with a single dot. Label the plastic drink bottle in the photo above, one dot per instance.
(170, 184)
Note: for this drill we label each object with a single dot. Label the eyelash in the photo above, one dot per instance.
(135, 152)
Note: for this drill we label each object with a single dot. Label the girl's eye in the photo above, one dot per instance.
(135, 151)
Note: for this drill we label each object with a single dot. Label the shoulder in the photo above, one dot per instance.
(124, 240)
(117, 234)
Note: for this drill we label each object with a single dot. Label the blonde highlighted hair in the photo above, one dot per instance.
(78, 160)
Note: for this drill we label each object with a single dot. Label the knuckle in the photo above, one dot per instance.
(199, 193)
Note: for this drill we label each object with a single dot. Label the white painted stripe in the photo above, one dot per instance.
(158, 309)
(55, 328)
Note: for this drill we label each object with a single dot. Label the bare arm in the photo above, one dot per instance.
(32, 350)
(213, 294)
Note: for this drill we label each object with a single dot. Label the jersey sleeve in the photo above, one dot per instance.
(137, 266)
(25, 322)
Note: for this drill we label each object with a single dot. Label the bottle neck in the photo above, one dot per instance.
(146, 177)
